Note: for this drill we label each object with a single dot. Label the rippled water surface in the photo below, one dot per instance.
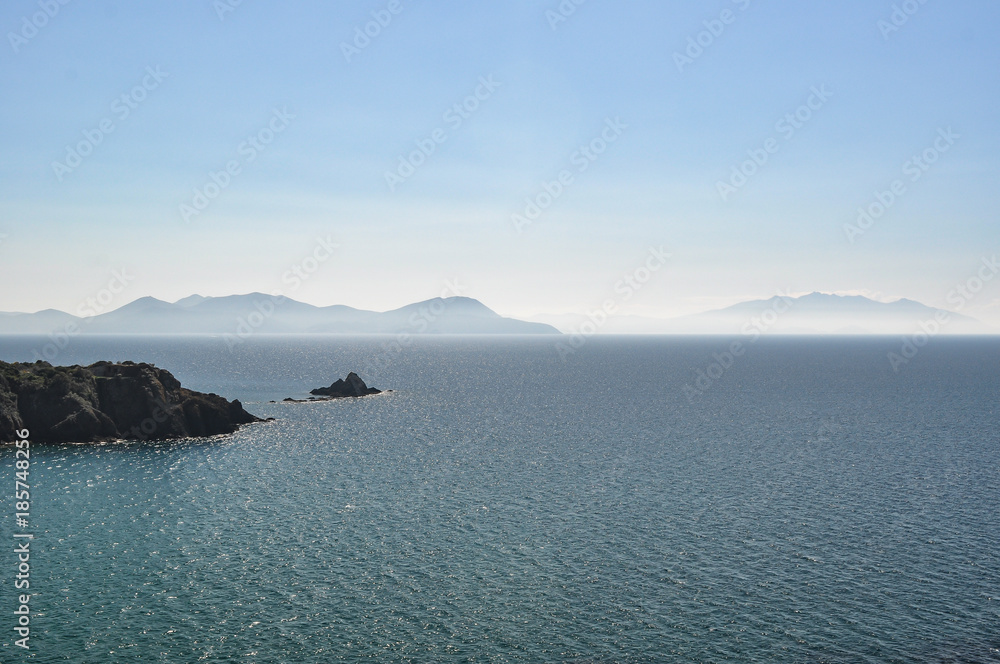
(502, 505)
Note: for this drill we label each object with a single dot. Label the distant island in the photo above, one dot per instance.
(342, 388)
(108, 401)
(813, 313)
(238, 316)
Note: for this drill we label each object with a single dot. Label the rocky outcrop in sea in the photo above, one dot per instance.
(352, 386)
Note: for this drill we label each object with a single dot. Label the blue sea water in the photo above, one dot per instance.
(811, 504)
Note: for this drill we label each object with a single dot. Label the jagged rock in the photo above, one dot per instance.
(352, 386)
(108, 401)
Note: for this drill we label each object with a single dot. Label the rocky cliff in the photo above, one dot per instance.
(108, 401)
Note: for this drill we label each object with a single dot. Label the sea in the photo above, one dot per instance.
(524, 499)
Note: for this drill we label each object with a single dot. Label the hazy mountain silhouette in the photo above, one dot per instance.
(257, 312)
(815, 313)
(824, 313)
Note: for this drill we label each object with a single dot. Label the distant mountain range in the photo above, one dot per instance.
(257, 312)
(816, 313)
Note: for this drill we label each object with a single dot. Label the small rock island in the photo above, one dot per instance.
(352, 386)
(108, 401)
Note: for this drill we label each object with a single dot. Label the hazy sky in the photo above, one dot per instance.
(119, 121)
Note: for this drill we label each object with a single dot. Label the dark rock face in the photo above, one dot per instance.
(108, 401)
(352, 386)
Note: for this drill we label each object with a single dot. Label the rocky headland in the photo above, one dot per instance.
(108, 401)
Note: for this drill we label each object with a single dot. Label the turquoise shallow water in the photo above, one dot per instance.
(502, 505)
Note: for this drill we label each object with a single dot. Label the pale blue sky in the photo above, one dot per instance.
(323, 175)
